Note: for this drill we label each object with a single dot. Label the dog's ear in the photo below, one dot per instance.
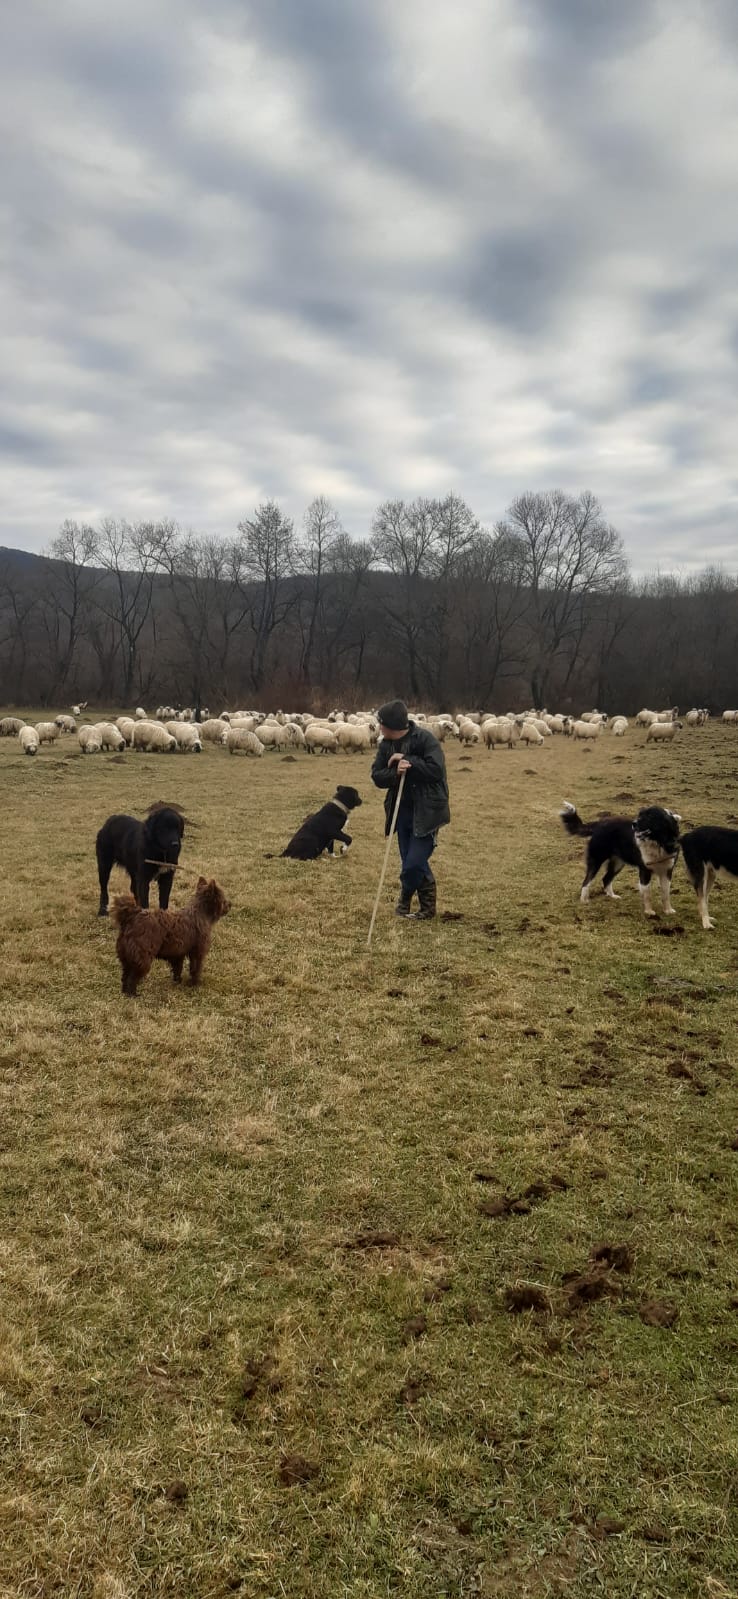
(202, 882)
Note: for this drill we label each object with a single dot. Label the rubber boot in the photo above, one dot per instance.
(404, 903)
(427, 897)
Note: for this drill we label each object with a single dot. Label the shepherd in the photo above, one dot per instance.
(405, 748)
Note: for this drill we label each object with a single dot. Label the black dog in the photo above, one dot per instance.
(709, 852)
(124, 841)
(650, 843)
(325, 828)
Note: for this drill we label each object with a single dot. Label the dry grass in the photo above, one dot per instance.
(256, 1334)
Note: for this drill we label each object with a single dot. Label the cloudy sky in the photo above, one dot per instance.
(370, 248)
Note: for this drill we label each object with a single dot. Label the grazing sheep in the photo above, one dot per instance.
(556, 724)
(730, 716)
(48, 732)
(543, 727)
(111, 737)
(529, 734)
(125, 725)
(186, 736)
(241, 719)
(582, 729)
(662, 730)
(10, 726)
(274, 736)
(295, 736)
(319, 740)
(66, 724)
(29, 740)
(241, 739)
(619, 726)
(89, 739)
(645, 718)
(353, 738)
(469, 731)
(78, 709)
(140, 714)
(153, 738)
(695, 718)
(213, 729)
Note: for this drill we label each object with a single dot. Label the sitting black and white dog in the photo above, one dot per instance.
(320, 831)
(709, 852)
(650, 842)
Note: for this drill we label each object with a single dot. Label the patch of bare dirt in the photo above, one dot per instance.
(658, 1313)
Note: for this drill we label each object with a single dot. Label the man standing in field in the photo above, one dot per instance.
(412, 750)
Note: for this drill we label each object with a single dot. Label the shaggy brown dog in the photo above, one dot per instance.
(173, 936)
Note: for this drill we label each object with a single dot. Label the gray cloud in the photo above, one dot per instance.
(370, 250)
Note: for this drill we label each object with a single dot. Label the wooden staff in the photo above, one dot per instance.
(386, 857)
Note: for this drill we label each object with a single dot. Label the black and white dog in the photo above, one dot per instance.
(709, 852)
(650, 843)
(325, 828)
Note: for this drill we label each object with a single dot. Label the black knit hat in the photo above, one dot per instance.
(394, 716)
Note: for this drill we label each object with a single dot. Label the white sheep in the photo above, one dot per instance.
(48, 732)
(582, 729)
(140, 714)
(503, 731)
(186, 736)
(662, 730)
(153, 738)
(111, 737)
(243, 740)
(645, 718)
(125, 725)
(66, 724)
(353, 739)
(542, 726)
(695, 718)
(529, 734)
(212, 729)
(274, 736)
(295, 736)
(89, 739)
(469, 732)
(619, 726)
(240, 719)
(730, 716)
(669, 716)
(319, 740)
(29, 740)
(10, 726)
(78, 709)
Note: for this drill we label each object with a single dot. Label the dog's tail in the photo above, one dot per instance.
(123, 908)
(573, 822)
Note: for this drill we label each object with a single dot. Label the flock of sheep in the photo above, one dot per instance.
(253, 732)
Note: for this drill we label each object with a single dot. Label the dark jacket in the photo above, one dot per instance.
(425, 783)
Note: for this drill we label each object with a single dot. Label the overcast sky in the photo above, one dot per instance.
(370, 249)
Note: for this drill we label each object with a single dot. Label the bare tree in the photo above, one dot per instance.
(128, 553)
(267, 563)
(570, 553)
(67, 595)
(313, 560)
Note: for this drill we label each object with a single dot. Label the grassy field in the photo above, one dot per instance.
(299, 1289)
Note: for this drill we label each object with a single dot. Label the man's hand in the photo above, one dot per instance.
(394, 760)
(403, 765)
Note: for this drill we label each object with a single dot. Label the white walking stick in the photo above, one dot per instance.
(386, 857)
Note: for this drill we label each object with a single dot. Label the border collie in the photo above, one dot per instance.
(650, 843)
(709, 852)
(322, 830)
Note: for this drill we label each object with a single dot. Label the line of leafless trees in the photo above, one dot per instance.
(541, 609)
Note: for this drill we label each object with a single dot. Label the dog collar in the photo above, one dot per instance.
(341, 806)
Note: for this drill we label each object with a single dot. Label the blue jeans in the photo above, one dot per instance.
(415, 854)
